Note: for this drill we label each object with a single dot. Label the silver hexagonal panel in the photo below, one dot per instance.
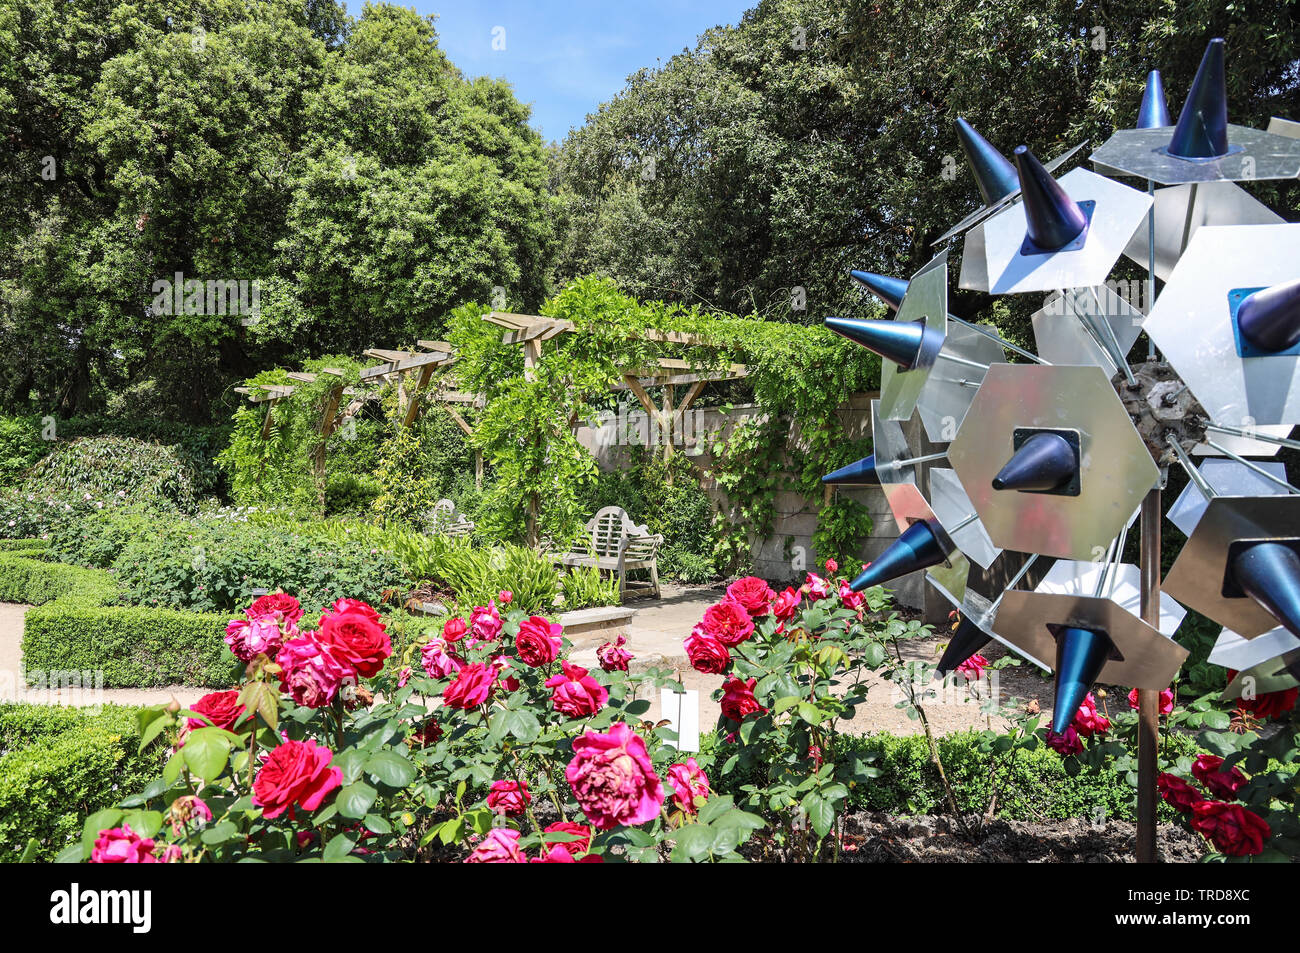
(1116, 468)
(1226, 478)
(1240, 653)
(1192, 323)
(952, 507)
(927, 301)
(1122, 585)
(1068, 330)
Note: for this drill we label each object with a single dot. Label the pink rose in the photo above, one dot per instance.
(575, 847)
(850, 599)
(689, 784)
(575, 693)
(613, 779)
(295, 774)
(343, 606)
(613, 657)
(832, 566)
(311, 673)
(816, 587)
(1088, 721)
(499, 846)
(121, 845)
(437, 661)
(471, 687)
(357, 637)
(485, 623)
(787, 603)
(973, 668)
(738, 699)
(249, 638)
(186, 810)
(454, 629)
(506, 597)
(706, 653)
(558, 855)
(728, 622)
(538, 642)
(752, 593)
(403, 676)
(510, 798)
(501, 664)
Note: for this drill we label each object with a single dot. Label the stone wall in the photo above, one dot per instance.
(788, 551)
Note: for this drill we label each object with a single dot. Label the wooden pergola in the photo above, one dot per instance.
(531, 330)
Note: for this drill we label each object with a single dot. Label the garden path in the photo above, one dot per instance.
(655, 635)
(13, 687)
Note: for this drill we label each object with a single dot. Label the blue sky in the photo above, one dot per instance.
(566, 58)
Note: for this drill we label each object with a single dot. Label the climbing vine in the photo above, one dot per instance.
(798, 376)
(282, 467)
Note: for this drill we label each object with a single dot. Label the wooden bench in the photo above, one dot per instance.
(613, 543)
(446, 521)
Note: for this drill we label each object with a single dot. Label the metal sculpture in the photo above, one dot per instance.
(1024, 517)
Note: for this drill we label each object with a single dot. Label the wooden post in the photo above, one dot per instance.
(413, 400)
(1148, 699)
(326, 428)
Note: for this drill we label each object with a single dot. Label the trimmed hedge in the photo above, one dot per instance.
(27, 546)
(36, 582)
(58, 766)
(134, 647)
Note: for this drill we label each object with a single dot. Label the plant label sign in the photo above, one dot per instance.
(682, 709)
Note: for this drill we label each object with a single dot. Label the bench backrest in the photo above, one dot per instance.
(608, 529)
(445, 521)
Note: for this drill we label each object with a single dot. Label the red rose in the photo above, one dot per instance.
(1166, 705)
(1065, 743)
(1177, 792)
(706, 653)
(1268, 705)
(1088, 721)
(738, 699)
(427, 734)
(357, 638)
(295, 774)
(575, 847)
(277, 604)
(1236, 831)
(471, 687)
(1208, 769)
(454, 629)
(728, 622)
(575, 693)
(787, 603)
(538, 641)
(752, 593)
(352, 605)
(222, 708)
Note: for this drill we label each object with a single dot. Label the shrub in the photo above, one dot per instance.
(59, 764)
(214, 566)
(131, 470)
(477, 575)
(133, 647)
(36, 582)
(20, 447)
(350, 493)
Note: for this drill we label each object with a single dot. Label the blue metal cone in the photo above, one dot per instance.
(1202, 130)
(898, 341)
(1270, 318)
(995, 176)
(1052, 218)
(1045, 461)
(919, 547)
(887, 289)
(861, 473)
(1153, 113)
(966, 641)
(1080, 656)
(1270, 574)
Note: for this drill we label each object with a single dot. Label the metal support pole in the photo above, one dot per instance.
(1148, 699)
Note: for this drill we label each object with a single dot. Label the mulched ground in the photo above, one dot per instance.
(881, 838)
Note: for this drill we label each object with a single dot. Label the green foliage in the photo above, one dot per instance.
(350, 493)
(20, 447)
(585, 587)
(59, 764)
(133, 647)
(214, 566)
(36, 581)
(343, 164)
(477, 575)
(133, 471)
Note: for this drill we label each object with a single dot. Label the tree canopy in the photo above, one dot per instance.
(344, 166)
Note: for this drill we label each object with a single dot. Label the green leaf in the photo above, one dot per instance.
(206, 752)
(356, 799)
(338, 848)
(389, 767)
